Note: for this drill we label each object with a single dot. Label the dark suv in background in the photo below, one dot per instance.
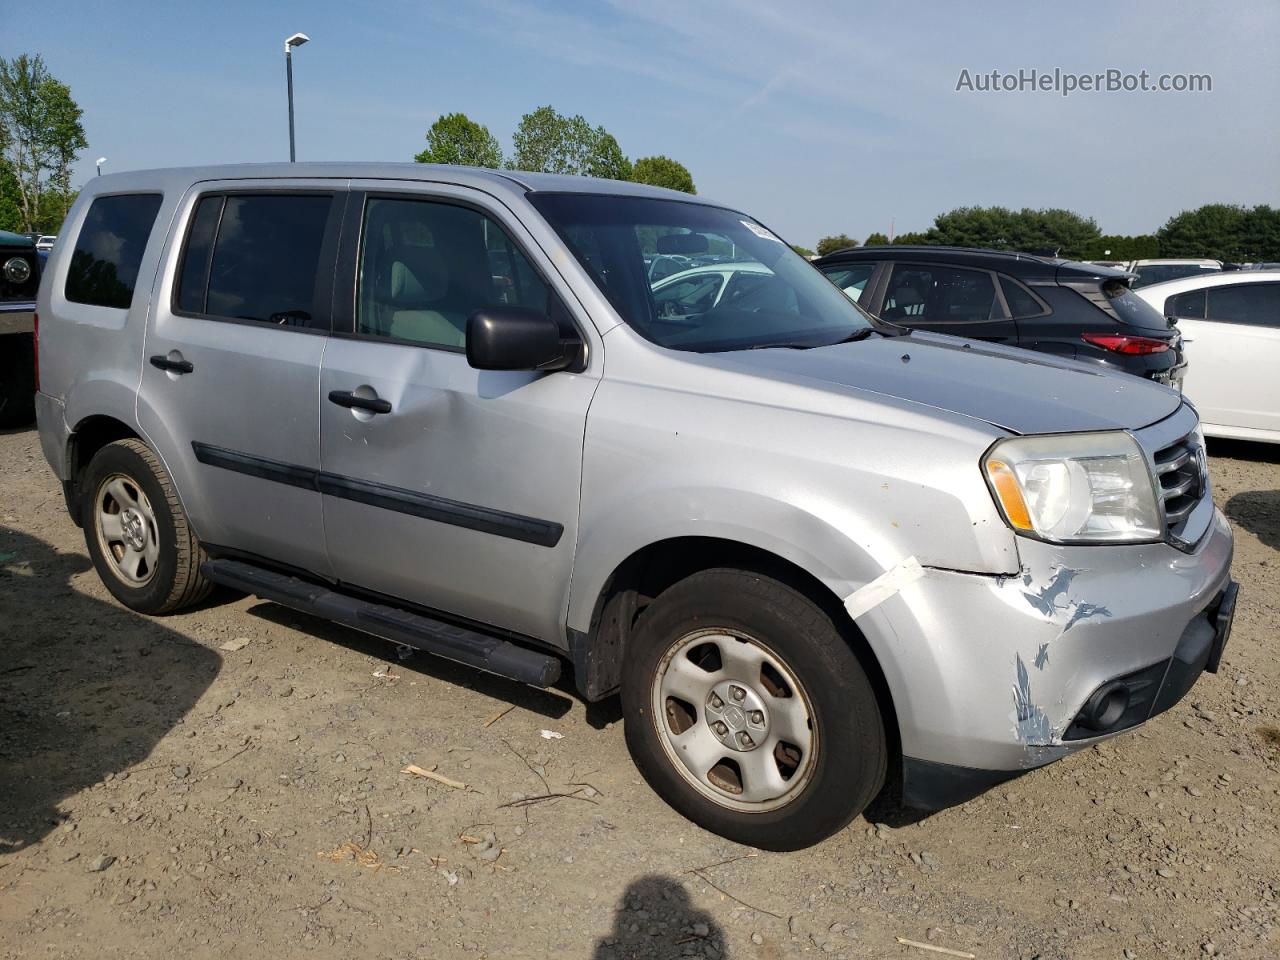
(19, 281)
(1068, 309)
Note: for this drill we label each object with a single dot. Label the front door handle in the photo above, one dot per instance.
(345, 398)
(171, 366)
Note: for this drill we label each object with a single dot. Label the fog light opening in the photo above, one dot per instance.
(1103, 710)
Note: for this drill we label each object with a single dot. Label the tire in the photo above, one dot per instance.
(17, 380)
(125, 479)
(790, 664)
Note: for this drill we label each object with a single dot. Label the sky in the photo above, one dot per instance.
(815, 117)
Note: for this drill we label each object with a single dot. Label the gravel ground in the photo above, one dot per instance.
(231, 780)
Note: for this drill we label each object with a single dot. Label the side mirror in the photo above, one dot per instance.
(517, 338)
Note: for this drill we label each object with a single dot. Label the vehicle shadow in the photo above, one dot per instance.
(1243, 450)
(656, 919)
(550, 703)
(1258, 511)
(87, 688)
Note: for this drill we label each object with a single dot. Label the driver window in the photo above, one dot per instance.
(425, 267)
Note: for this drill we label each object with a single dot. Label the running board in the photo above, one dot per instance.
(391, 623)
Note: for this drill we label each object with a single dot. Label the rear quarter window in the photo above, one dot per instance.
(104, 265)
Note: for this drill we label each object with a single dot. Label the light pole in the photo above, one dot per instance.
(297, 40)
(101, 161)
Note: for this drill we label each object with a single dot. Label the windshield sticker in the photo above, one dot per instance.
(759, 231)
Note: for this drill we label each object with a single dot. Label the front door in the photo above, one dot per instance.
(945, 299)
(444, 485)
(229, 392)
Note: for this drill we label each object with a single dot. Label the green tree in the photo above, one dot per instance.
(41, 133)
(876, 239)
(841, 241)
(456, 138)
(1119, 247)
(1260, 234)
(547, 142)
(998, 228)
(607, 159)
(662, 171)
(917, 239)
(1223, 232)
(803, 251)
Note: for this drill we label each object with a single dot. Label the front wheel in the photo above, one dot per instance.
(749, 713)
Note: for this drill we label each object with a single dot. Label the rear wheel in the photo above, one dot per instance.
(137, 533)
(17, 380)
(749, 713)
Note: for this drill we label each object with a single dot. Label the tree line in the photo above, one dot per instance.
(546, 141)
(41, 137)
(1218, 231)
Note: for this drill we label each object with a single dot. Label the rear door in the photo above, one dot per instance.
(459, 489)
(944, 299)
(1232, 337)
(230, 386)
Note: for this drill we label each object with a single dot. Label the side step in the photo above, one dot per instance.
(391, 623)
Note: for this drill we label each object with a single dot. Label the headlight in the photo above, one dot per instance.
(1075, 488)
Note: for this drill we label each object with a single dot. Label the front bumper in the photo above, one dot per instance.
(992, 673)
(17, 317)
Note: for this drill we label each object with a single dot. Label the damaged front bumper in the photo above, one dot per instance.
(998, 675)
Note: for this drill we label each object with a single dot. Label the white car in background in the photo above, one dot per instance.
(45, 244)
(692, 293)
(1230, 324)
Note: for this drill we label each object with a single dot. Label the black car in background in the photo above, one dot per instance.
(19, 281)
(1076, 310)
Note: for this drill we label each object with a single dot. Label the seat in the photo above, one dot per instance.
(417, 282)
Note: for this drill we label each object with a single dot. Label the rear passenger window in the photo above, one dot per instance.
(1189, 305)
(256, 258)
(940, 295)
(104, 264)
(1021, 303)
(1255, 304)
(425, 267)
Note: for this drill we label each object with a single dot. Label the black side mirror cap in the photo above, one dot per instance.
(518, 338)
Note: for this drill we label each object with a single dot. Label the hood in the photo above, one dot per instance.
(1016, 390)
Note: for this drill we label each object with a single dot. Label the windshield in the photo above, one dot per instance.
(700, 278)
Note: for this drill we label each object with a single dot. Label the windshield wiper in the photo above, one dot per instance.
(854, 337)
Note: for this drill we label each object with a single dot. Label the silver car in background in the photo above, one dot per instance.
(814, 553)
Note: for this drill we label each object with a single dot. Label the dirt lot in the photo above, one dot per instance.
(230, 780)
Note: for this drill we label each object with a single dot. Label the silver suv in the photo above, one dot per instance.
(815, 553)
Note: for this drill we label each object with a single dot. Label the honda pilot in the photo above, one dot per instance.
(813, 552)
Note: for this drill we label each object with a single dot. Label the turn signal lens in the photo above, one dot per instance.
(1122, 344)
(1005, 483)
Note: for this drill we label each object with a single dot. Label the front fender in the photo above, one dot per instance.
(624, 526)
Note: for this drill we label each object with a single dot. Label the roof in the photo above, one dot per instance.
(493, 181)
(1024, 266)
(1155, 293)
(15, 239)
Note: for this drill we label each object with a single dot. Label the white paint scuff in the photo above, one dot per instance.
(883, 587)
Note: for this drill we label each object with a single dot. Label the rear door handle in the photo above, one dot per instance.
(345, 398)
(171, 366)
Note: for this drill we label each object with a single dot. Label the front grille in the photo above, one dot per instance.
(1180, 469)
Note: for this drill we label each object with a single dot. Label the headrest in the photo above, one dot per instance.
(907, 297)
